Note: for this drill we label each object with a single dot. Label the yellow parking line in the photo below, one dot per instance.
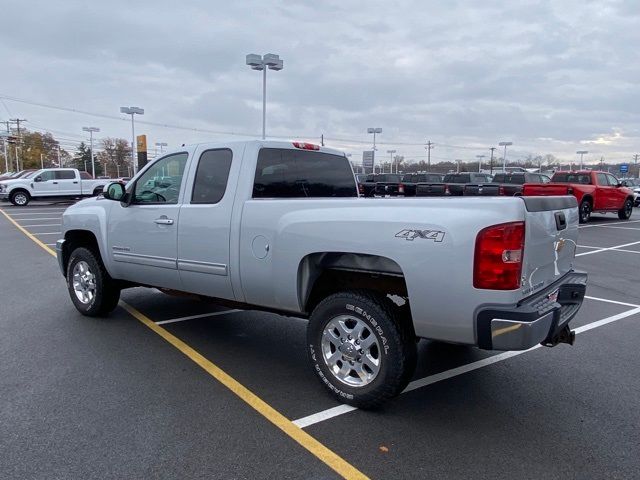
(329, 457)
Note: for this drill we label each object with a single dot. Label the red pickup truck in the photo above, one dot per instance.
(595, 191)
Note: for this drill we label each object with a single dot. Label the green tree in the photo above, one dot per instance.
(82, 158)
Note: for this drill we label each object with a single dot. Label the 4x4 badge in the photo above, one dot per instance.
(411, 235)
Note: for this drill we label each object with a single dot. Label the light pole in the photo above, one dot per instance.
(390, 152)
(161, 144)
(93, 162)
(374, 130)
(504, 158)
(132, 111)
(480, 157)
(5, 137)
(261, 63)
(581, 153)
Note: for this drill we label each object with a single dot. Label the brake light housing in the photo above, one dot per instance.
(499, 251)
(401, 188)
(306, 146)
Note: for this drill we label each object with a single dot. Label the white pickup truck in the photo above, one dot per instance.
(51, 184)
(279, 226)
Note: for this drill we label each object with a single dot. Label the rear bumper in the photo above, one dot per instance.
(536, 319)
(4, 196)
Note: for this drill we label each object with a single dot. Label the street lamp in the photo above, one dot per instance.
(132, 111)
(391, 152)
(581, 153)
(480, 157)
(93, 163)
(272, 62)
(504, 158)
(5, 140)
(161, 144)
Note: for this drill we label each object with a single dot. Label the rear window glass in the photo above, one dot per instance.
(288, 173)
(211, 176)
(457, 178)
(65, 175)
(388, 177)
(582, 178)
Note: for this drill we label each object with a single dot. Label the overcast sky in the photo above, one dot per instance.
(551, 76)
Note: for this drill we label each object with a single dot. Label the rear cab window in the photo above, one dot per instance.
(583, 178)
(293, 173)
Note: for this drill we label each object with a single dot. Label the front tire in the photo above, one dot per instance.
(20, 198)
(359, 348)
(92, 290)
(625, 212)
(585, 211)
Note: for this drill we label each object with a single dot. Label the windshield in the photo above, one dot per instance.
(30, 174)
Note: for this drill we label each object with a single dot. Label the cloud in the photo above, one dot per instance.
(457, 72)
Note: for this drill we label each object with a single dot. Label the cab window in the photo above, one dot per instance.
(161, 183)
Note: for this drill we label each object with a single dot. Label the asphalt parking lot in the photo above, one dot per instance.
(229, 394)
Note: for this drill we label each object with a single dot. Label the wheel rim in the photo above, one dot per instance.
(628, 207)
(84, 282)
(585, 211)
(20, 198)
(351, 351)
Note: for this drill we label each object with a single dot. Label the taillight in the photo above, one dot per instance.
(401, 188)
(446, 190)
(361, 189)
(498, 257)
(570, 190)
(501, 192)
(306, 146)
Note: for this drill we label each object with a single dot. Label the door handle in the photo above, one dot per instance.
(164, 221)
(55, 183)
(75, 182)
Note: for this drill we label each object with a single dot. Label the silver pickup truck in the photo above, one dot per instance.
(279, 226)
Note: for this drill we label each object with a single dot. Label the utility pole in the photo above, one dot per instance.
(322, 139)
(635, 161)
(428, 148)
(491, 161)
(59, 160)
(17, 122)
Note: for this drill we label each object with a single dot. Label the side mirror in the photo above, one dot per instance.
(113, 191)
(37, 179)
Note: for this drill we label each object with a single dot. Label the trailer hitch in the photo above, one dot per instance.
(564, 335)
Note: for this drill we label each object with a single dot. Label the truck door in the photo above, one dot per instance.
(603, 193)
(205, 223)
(44, 184)
(618, 195)
(142, 237)
(68, 184)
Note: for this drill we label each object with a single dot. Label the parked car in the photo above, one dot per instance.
(455, 182)
(595, 192)
(14, 175)
(382, 184)
(511, 183)
(633, 184)
(410, 181)
(279, 226)
(49, 183)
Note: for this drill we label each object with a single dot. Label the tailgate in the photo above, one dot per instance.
(550, 240)
(547, 189)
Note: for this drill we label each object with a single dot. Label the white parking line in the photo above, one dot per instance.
(16, 215)
(619, 228)
(192, 317)
(46, 233)
(605, 300)
(454, 372)
(39, 219)
(607, 249)
(43, 225)
(607, 224)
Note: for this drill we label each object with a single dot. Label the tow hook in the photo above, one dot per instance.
(565, 335)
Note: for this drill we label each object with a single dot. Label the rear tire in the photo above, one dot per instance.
(92, 290)
(359, 349)
(20, 198)
(625, 212)
(584, 211)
